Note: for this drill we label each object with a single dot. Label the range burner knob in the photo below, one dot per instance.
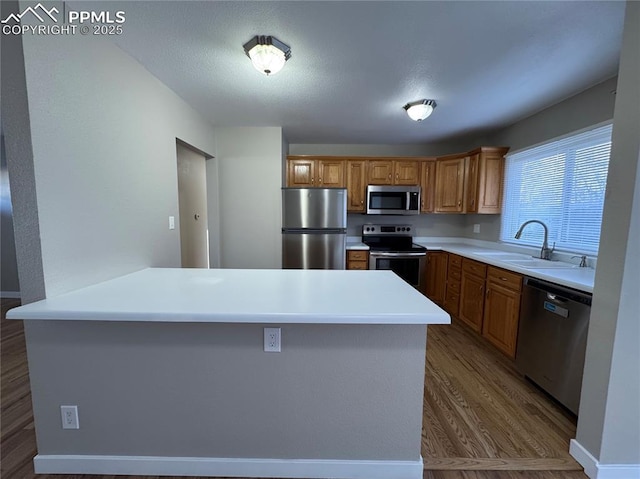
(409, 228)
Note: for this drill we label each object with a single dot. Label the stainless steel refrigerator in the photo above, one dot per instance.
(314, 228)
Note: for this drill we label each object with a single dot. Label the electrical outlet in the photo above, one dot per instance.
(476, 228)
(69, 417)
(272, 340)
(172, 222)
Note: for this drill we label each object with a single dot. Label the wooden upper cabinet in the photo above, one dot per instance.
(394, 172)
(406, 172)
(428, 185)
(471, 183)
(380, 172)
(301, 173)
(450, 185)
(490, 180)
(330, 173)
(356, 185)
(311, 172)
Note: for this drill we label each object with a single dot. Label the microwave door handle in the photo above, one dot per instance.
(408, 202)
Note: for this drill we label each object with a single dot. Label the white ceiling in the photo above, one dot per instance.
(355, 64)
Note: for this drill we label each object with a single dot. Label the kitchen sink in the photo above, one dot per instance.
(534, 263)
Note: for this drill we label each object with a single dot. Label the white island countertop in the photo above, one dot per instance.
(243, 296)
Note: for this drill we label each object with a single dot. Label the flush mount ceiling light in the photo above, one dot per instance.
(421, 109)
(268, 54)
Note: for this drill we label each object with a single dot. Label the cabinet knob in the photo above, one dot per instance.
(312, 180)
(362, 202)
(389, 175)
(459, 203)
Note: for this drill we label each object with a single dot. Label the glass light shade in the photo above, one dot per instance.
(267, 59)
(420, 111)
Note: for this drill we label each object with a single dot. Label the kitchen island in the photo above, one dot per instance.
(169, 374)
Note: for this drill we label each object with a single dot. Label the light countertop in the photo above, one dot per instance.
(569, 275)
(243, 296)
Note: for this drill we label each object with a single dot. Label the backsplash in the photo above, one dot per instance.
(424, 225)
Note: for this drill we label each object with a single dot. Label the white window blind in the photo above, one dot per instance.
(561, 183)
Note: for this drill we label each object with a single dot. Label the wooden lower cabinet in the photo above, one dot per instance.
(472, 293)
(436, 276)
(502, 309)
(357, 259)
(454, 276)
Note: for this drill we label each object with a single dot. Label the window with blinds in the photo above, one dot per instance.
(561, 183)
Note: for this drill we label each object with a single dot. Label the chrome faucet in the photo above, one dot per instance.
(545, 251)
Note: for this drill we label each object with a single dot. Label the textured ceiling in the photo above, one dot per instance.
(355, 64)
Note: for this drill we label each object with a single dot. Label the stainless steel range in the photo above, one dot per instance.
(391, 247)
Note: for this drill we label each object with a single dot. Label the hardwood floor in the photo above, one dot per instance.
(481, 420)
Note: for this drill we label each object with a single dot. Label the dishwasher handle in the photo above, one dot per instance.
(558, 293)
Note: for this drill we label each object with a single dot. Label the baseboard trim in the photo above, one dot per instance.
(595, 470)
(226, 467)
(10, 294)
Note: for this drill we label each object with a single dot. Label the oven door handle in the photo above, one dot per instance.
(395, 255)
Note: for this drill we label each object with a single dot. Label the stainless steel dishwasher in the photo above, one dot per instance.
(552, 338)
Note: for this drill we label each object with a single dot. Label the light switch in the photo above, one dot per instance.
(172, 222)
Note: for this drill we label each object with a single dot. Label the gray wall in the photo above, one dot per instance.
(609, 420)
(250, 177)
(104, 156)
(208, 390)
(382, 150)
(9, 284)
(423, 225)
(585, 109)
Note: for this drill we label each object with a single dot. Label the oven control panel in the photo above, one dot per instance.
(380, 230)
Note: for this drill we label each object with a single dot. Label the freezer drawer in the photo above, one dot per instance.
(314, 250)
(552, 339)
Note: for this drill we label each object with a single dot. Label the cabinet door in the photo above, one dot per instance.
(501, 315)
(471, 182)
(380, 172)
(449, 185)
(491, 177)
(330, 173)
(452, 296)
(406, 173)
(436, 276)
(301, 173)
(356, 185)
(428, 184)
(472, 300)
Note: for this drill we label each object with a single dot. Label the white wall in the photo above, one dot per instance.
(609, 417)
(103, 133)
(250, 178)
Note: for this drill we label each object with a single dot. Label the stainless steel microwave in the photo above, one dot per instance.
(393, 200)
